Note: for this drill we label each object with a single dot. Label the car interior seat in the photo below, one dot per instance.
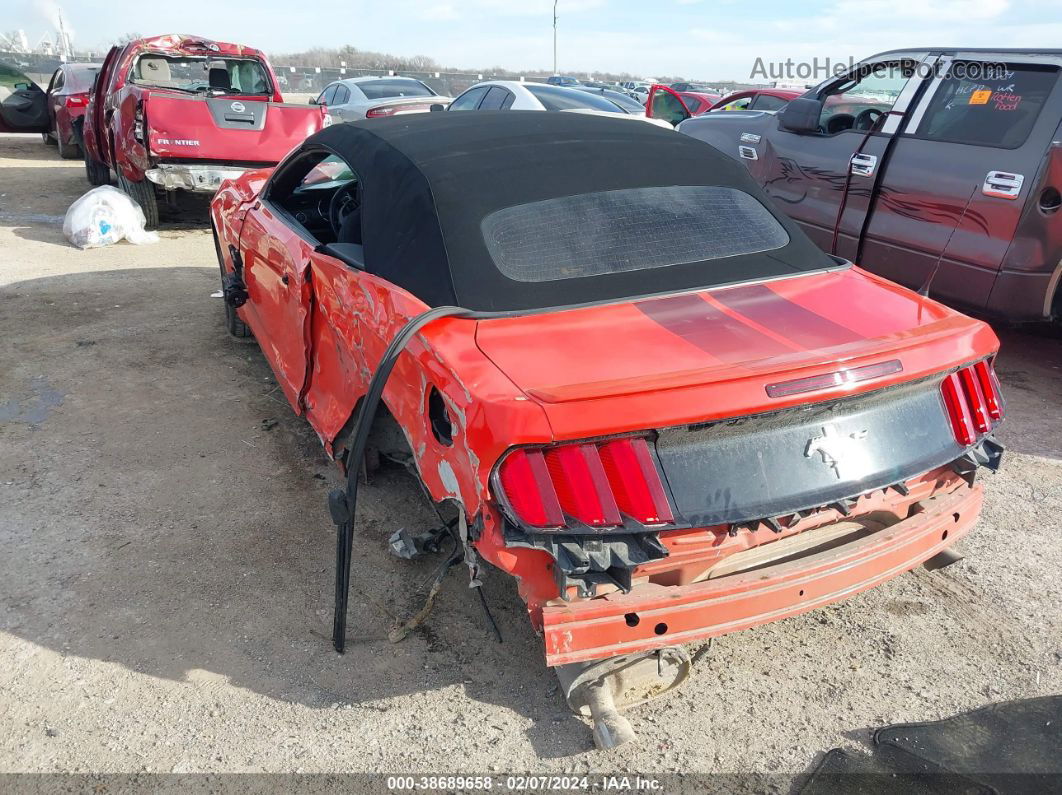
(154, 70)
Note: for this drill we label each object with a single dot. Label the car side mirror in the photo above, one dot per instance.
(436, 107)
(22, 86)
(312, 101)
(801, 115)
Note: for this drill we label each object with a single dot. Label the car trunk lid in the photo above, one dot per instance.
(226, 129)
(715, 352)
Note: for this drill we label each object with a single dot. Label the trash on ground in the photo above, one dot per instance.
(104, 216)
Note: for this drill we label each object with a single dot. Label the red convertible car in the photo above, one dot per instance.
(642, 392)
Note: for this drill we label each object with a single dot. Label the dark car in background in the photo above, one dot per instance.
(562, 80)
(68, 97)
(940, 169)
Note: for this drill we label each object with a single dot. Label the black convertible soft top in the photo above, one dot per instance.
(502, 210)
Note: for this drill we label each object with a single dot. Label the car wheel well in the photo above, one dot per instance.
(386, 440)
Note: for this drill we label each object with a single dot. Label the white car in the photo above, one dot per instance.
(514, 95)
(375, 97)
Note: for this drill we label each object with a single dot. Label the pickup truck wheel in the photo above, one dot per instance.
(96, 172)
(68, 151)
(236, 327)
(143, 193)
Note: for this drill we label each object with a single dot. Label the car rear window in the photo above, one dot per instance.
(398, 87)
(594, 234)
(989, 105)
(79, 78)
(558, 98)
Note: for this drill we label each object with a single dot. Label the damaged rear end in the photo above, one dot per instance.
(196, 142)
(706, 500)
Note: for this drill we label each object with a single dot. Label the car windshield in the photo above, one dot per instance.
(201, 73)
(557, 98)
(395, 87)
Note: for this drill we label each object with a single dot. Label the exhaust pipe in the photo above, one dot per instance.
(943, 558)
(601, 688)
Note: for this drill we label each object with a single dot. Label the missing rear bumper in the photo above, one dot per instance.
(193, 177)
(653, 616)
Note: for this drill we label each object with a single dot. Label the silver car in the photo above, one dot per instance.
(374, 97)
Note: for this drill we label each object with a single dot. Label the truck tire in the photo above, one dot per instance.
(96, 172)
(236, 327)
(67, 151)
(143, 193)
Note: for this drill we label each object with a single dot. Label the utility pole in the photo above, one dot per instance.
(554, 36)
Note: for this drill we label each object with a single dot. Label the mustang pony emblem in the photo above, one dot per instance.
(835, 449)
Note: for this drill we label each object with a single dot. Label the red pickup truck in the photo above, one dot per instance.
(180, 112)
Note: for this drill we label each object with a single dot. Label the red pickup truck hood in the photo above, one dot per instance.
(226, 129)
(710, 354)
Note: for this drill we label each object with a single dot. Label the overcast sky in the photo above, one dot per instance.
(708, 39)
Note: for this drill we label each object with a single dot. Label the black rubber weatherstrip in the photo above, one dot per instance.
(342, 504)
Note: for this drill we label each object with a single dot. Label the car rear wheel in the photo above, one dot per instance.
(96, 172)
(68, 151)
(236, 327)
(143, 193)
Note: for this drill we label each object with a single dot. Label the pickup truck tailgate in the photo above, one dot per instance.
(227, 129)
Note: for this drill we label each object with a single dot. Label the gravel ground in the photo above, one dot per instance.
(166, 588)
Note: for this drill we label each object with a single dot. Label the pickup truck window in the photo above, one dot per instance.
(988, 112)
(859, 103)
(199, 73)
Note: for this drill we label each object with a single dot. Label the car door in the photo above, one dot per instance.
(959, 175)
(824, 178)
(54, 99)
(276, 253)
(94, 137)
(666, 103)
(23, 103)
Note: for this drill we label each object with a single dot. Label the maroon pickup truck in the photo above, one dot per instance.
(938, 168)
(181, 112)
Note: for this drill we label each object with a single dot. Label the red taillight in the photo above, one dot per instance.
(990, 389)
(527, 485)
(579, 478)
(971, 396)
(592, 483)
(77, 100)
(635, 482)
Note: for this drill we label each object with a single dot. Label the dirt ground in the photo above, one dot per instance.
(166, 575)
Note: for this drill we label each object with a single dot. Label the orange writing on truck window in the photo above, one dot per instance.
(980, 97)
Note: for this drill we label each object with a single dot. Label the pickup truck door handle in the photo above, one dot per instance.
(1002, 185)
(864, 165)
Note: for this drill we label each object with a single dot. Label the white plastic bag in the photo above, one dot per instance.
(104, 216)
